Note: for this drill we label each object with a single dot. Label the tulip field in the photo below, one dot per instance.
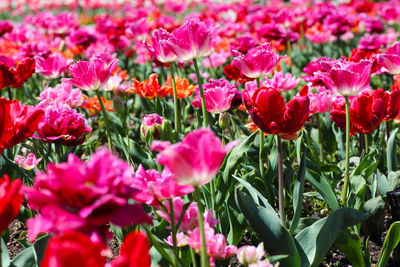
(199, 133)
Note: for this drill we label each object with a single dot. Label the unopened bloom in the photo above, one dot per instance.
(73, 249)
(160, 47)
(18, 122)
(269, 112)
(84, 196)
(134, 251)
(192, 40)
(196, 160)
(62, 124)
(154, 187)
(155, 127)
(250, 254)
(282, 82)
(62, 93)
(91, 75)
(258, 62)
(390, 60)
(215, 244)
(29, 162)
(218, 95)
(10, 200)
(52, 66)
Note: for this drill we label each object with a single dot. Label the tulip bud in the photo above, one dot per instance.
(224, 120)
(155, 127)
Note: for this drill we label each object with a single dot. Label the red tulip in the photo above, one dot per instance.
(73, 249)
(17, 122)
(134, 252)
(10, 200)
(268, 110)
(392, 102)
(16, 77)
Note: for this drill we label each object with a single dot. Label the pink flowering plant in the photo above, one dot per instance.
(199, 133)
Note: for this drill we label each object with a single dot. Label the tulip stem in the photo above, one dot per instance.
(281, 199)
(9, 93)
(203, 255)
(194, 263)
(173, 228)
(346, 172)
(366, 143)
(258, 82)
(200, 84)
(321, 147)
(176, 103)
(105, 117)
(261, 160)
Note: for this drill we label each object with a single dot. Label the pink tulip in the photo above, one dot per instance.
(282, 82)
(250, 254)
(52, 66)
(154, 187)
(84, 196)
(390, 61)
(321, 101)
(29, 162)
(218, 95)
(91, 75)
(347, 78)
(160, 47)
(258, 62)
(62, 93)
(192, 40)
(196, 160)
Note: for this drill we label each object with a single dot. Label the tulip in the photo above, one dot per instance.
(250, 254)
(62, 93)
(29, 162)
(282, 82)
(134, 251)
(258, 62)
(160, 47)
(18, 122)
(11, 199)
(155, 127)
(52, 66)
(390, 60)
(16, 77)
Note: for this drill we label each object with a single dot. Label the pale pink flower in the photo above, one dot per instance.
(52, 66)
(196, 160)
(282, 82)
(113, 83)
(29, 162)
(154, 187)
(258, 62)
(181, 239)
(84, 196)
(390, 60)
(62, 93)
(250, 254)
(218, 95)
(192, 40)
(91, 75)
(321, 101)
(215, 243)
(160, 47)
(347, 78)
(216, 59)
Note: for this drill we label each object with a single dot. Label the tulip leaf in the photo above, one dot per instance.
(391, 152)
(323, 187)
(390, 243)
(236, 155)
(31, 256)
(298, 192)
(266, 223)
(5, 257)
(350, 244)
(317, 239)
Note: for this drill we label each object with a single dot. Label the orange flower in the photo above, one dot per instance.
(253, 127)
(93, 104)
(149, 88)
(183, 88)
(121, 73)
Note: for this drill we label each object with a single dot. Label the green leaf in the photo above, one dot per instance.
(5, 257)
(277, 240)
(298, 192)
(317, 239)
(323, 187)
(350, 244)
(391, 152)
(31, 256)
(375, 224)
(236, 155)
(391, 240)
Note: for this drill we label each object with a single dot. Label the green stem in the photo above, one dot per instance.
(173, 226)
(176, 103)
(58, 152)
(258, 82)
(321, 147)
(366, 142)
(346, 173)
(203, 255)
(200, 84)
(194, 262)
(260, 158)
(9, 93)
(281, 199)
(105, 117)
